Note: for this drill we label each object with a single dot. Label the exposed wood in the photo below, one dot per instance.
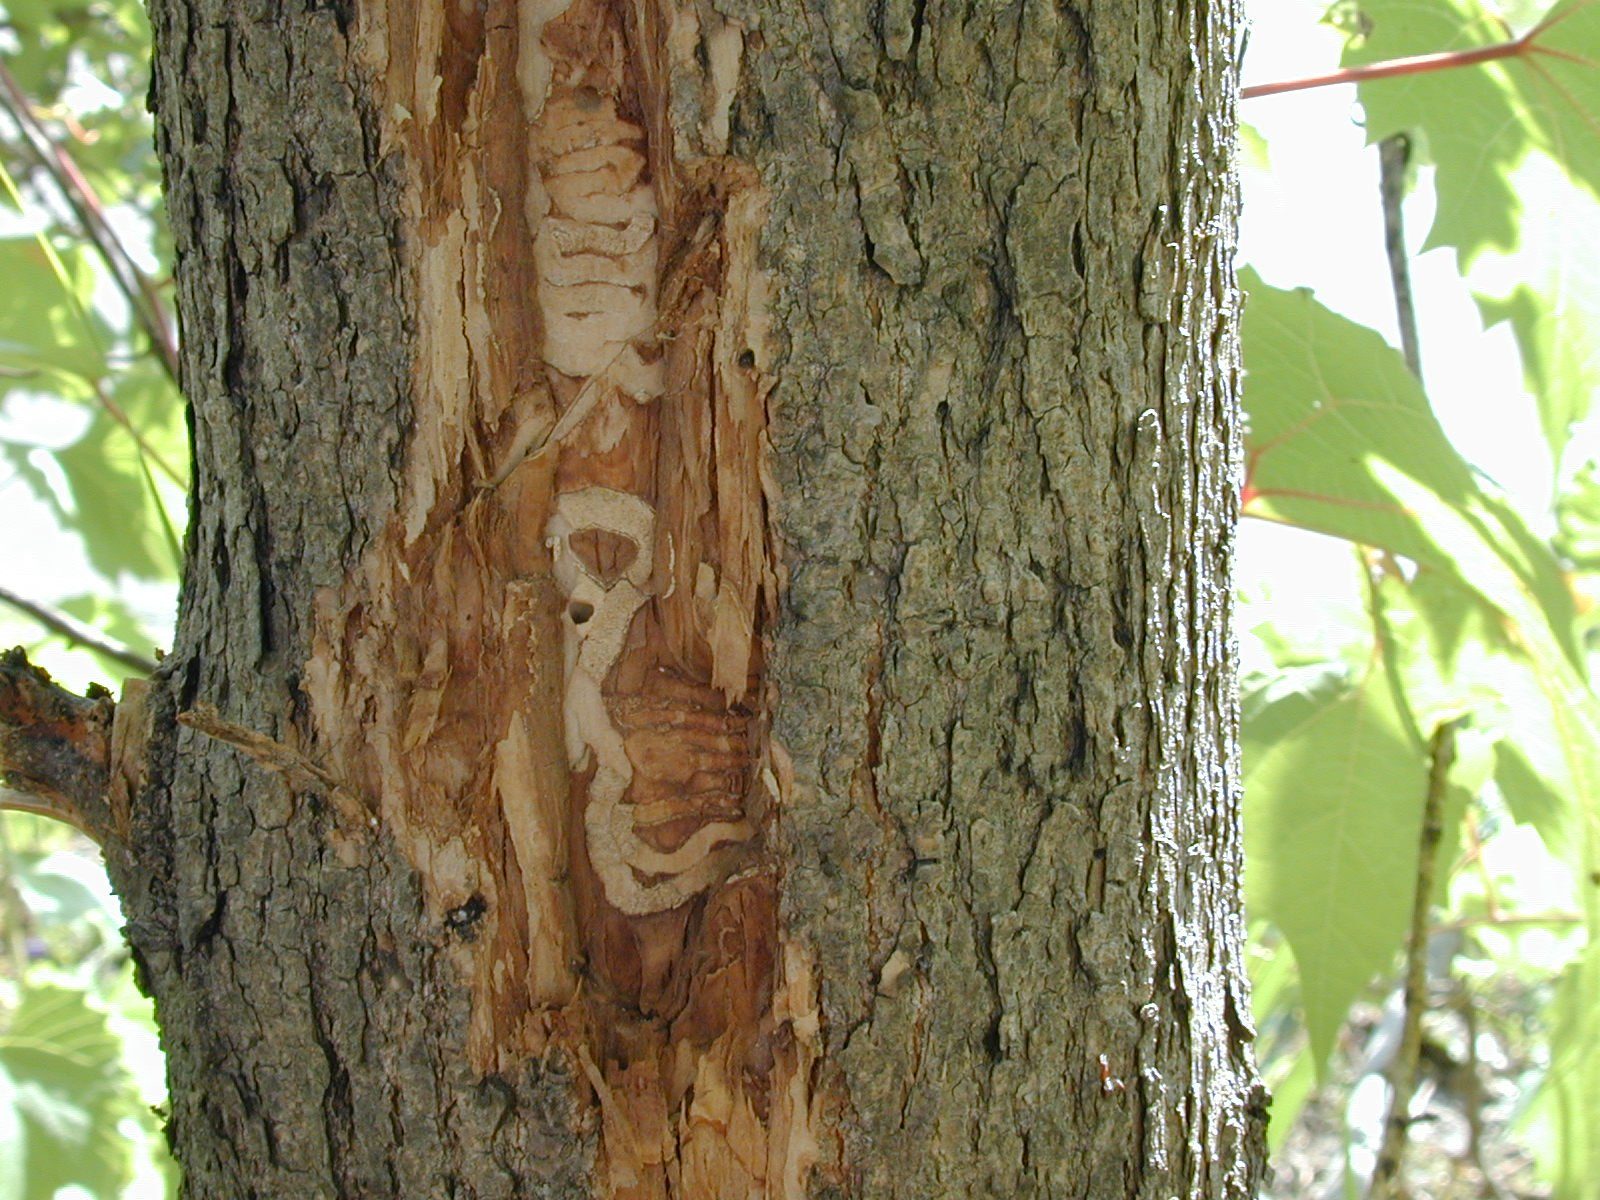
(567, 661)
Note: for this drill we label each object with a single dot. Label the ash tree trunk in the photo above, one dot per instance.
(705, 667)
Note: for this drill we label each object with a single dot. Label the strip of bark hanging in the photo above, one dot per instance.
(301, 772)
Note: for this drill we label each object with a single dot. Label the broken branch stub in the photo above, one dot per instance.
(55, 747)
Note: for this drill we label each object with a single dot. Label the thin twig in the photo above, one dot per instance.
(1393, 155)
(78, 633)
(81, 197)
(1403, 1070)
(1525, 47)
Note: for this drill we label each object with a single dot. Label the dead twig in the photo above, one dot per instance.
(353, 812)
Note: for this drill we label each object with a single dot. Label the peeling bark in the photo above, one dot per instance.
(727, 509)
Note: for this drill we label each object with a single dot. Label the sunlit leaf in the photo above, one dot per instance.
(1287, 1065)
(13, 1142)
(154, 407)
(62, 888)
(43, 338)
(1290, 1092)
(1499, 134)
(1566, 1115)
(1548, 290)
(1457, 654)
(1334, 786)
(113, 617)
(114, 511)
(69, 1089)
(1341, 440)
(1253, 147)
(1578, 518)
(1478, 123)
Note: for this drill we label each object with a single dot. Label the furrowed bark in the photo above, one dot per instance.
(742, 495)
(1005, 454)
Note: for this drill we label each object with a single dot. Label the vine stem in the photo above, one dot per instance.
(1403, 1070)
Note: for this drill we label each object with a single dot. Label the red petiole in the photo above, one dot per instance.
(1524, 46)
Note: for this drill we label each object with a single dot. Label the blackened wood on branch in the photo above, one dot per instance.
(55, 746)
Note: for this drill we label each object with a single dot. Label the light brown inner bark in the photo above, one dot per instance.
(548, 671)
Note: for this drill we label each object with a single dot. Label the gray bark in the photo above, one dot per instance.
(1006, 437)
(1008, 455)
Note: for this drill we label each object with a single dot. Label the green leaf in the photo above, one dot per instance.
(1499, 132)
(1578, 518)
(155, 408)
(64, 1065)
(19, 458)
(1533, 799)
(1334, 786)
(113, 617)
(1341, 440)
(1253, 148)
(1548, 765)
(113, 509)
(1324, 399)
(1566, 1114)
(1287, 1066)
(44, 343)
(13, 1142)
(1289, 1096)
(63, 889)
(1478, 122)
(1548, 291)
(1533, 718)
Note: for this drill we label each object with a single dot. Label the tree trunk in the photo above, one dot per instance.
(705, 651)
